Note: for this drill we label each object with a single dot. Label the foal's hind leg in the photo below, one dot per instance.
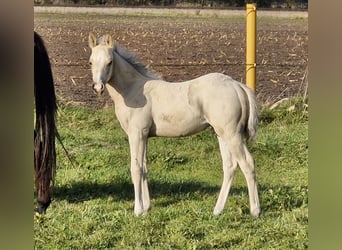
(241, 154)
(229, 167)
(248, 170)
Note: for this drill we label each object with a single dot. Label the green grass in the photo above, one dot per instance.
(92, 205)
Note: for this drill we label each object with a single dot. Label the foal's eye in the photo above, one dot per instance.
(110, 63)
(90, 63)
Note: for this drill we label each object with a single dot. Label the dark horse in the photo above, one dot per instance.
(45, 128)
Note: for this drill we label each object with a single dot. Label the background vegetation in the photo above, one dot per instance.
(182, 3)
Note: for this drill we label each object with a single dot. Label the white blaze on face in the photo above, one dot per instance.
(101, 67)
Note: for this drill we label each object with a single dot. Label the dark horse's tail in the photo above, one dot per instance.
(45, 127)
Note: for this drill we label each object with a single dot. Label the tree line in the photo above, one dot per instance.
(303, 4)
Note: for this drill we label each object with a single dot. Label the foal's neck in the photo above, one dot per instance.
(125, 76)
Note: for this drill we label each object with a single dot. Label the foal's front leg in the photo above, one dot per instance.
(137, 142)
(144, 186)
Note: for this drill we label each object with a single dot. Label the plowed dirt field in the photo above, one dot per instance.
(179, 47)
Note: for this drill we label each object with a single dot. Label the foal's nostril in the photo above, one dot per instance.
(98, 88)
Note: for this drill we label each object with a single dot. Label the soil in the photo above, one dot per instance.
(179, 48)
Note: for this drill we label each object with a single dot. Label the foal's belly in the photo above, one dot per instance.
(169, 125)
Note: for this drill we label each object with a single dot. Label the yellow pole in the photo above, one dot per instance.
(251, 45)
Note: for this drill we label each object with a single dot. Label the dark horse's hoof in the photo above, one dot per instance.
(42, 206)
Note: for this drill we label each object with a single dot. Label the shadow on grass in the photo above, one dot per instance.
(123, 190)
(272, 198)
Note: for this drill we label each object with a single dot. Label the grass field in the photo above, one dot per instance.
(93, 199)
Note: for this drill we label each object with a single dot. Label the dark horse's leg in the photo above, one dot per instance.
(45, 128)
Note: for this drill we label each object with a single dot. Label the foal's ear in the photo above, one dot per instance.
(92, 40)
(109, 40)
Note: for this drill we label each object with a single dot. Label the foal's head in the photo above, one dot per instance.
(101, 60)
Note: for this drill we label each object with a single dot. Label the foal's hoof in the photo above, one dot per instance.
(256, 212)
(138, 212)
(217, 212)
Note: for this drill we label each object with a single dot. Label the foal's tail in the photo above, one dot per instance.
(251, 127)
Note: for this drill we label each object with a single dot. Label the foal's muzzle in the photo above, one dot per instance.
(98, 88)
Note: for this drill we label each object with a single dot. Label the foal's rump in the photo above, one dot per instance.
(228, 105)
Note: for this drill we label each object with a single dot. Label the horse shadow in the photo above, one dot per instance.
(167, 194)
(78, 192)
